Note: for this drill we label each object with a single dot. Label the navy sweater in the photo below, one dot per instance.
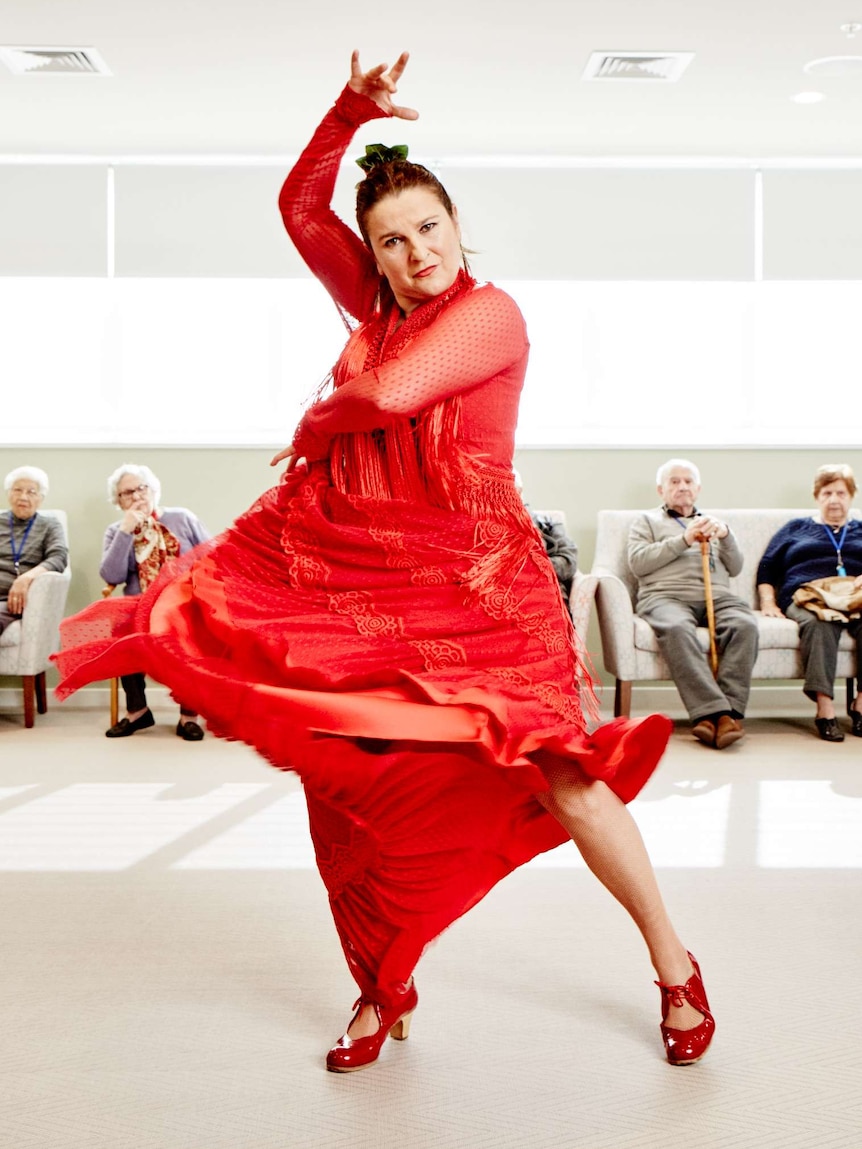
(801, 551)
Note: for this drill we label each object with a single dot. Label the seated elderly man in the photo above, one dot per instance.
(666, 558)
(30, 543)
(561, 550)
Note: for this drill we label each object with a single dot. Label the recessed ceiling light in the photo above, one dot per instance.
(834, 66)
(808, 97)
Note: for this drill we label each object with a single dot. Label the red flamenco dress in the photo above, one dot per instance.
(385, 621)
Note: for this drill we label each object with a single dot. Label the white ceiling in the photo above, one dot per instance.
(500, 77)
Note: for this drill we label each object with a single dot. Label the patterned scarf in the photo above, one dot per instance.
(154, 545)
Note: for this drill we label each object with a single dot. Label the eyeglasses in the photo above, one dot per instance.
(142, 489)
(27, 492)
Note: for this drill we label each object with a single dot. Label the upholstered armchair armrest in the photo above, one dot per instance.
(581, 598)
(40, 623)
(616, 624)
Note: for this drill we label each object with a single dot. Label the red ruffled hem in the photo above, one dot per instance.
(421, 783)
(278, 719)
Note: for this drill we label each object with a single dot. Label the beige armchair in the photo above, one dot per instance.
(629, 646)
(26, 645)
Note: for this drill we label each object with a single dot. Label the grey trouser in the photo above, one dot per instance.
(675, 622)
(818, 641)
(136, 693)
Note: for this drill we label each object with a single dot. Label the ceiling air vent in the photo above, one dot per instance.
(658, 67)
(54, 61)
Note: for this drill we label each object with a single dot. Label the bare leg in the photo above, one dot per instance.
(608, 838)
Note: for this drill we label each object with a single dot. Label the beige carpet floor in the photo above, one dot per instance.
(171, 978)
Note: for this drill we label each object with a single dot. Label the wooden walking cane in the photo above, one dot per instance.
(710, 607)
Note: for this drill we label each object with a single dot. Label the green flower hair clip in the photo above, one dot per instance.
(377, 154)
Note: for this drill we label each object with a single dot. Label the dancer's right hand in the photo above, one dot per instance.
(380, 85)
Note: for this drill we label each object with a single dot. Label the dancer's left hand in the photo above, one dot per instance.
(288, 456)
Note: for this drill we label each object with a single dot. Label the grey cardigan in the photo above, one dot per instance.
(45, 546)
(664, 564)
(118, 551)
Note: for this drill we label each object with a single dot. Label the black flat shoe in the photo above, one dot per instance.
(124, 727)
(856, 723)
(829, 730)
(190, 731)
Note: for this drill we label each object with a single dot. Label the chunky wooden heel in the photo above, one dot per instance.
(401, 1029)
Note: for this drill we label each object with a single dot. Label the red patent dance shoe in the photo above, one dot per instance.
(349, 1053)
(685, 1046)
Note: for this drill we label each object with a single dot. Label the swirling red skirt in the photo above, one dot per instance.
(417, 684)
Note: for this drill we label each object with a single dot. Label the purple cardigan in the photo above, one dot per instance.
(118, 552)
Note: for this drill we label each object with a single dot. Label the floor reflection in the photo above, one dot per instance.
(105, 826)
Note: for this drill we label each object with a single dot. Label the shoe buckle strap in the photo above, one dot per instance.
(675, 994)
(362, 1001)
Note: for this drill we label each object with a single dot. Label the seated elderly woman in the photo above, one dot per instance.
(133, 551)
(30, 544)
(809, 561)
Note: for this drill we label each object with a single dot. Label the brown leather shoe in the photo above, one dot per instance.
(728, 731)
(704, 731)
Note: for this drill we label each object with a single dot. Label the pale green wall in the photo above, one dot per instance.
(581, 483)
(219, 483)
(586, 481)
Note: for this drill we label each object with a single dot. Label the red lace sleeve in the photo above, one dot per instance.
(334, 252)
(475, 339)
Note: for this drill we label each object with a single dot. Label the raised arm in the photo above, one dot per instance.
(332, 250)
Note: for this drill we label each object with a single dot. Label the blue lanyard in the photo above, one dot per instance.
(19, 551)
(838, 544)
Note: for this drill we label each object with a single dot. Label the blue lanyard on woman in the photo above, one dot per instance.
(838, 544)
(17, 552)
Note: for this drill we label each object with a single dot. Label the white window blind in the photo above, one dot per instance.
(233, 361)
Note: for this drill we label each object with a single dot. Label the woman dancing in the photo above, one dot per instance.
(385, 621)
